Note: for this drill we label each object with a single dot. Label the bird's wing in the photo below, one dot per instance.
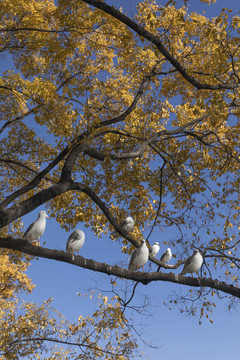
(188, 261)
(29, 228)
(133, 257)
(74, 237)
(124, 222)
(71, 237)
(150, 250)
(162, 257)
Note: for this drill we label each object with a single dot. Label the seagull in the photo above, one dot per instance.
(154, 249)
(166, 257)
(37, 228)
(139, 257)
(75, 242)
(193, 263)
(127, 224)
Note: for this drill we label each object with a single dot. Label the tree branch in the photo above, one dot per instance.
(97, 200)
(143, 277)
(36, 180)
(101, 155)
(64, 176)
(19, 163)
(18, 210)
(64, 342)
(158, 43)
(135, 100)
(20, 117)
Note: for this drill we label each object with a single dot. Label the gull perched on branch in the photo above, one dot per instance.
(166, 257)
(127, 225)
(193, 263)
(139, 257)
(154, 249)
(75, 242)
(37, 228)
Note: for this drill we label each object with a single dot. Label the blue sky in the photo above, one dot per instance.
(176, 336)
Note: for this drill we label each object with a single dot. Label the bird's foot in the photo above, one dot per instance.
(35, 243)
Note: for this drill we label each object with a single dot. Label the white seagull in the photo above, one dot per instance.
(37, 228)
(127, 224)
(193, 263)
(154, 249)
(139, 257)
(75, 242)
(166, 257)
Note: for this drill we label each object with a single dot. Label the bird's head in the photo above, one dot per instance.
(43, 214)
(78, 233)
(129, 220)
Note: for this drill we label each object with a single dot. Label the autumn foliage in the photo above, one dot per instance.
(105, 115)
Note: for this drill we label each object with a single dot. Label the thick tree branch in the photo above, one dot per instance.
(70, 161)
(17, 29)
(143, 277)
(71, 149)
(158, 43)
(18, 210)
(36, 180)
